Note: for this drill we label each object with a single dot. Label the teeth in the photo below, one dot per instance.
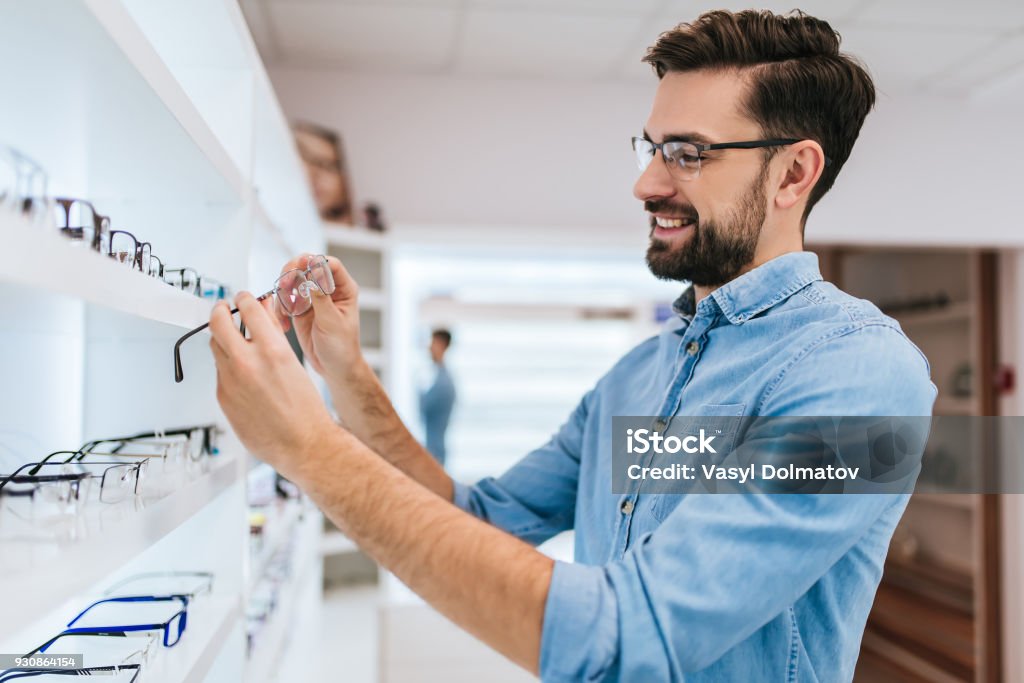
(670, 222)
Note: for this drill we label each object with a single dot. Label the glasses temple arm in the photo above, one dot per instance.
(179, 375)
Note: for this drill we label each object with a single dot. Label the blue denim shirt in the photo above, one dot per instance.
(718, 587)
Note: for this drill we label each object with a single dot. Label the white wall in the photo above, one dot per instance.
(542, 156)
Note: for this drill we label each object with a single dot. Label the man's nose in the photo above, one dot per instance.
(655, 181)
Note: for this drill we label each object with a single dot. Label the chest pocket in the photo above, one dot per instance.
(725, 436)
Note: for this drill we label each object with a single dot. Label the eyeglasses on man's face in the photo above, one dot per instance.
(683, 158)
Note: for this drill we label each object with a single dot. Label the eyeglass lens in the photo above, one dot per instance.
(681, 158)
(294, 287)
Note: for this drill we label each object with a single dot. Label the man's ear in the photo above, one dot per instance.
(804, 162)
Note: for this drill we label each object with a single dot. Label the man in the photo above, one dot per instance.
(438, 400)
(696, 587)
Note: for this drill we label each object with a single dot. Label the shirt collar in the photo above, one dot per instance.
(756, 290)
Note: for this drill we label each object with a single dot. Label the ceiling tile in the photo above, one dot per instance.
(977, 14)
(830, 10)
(679, 11)
(375, 3)
(573, 6)
(330, 34)
(500, 42)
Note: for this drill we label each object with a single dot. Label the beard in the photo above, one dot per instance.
(717, 251)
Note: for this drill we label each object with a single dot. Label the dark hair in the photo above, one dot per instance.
(443, 335)
(801, 85)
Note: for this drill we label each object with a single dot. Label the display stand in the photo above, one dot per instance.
(162, 115)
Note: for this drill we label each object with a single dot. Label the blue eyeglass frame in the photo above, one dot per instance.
(168, 640)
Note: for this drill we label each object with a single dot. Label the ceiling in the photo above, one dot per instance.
(944, 46)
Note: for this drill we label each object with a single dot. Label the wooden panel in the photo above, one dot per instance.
(931, 622)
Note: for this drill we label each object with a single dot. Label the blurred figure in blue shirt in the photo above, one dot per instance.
(438, 400)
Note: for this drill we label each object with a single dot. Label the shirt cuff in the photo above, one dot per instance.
(580, 632)
(460, 496)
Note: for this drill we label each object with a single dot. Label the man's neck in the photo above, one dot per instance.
(702, 291)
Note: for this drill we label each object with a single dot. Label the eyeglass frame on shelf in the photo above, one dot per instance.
(206, 588)
(127, 629)
(24, 201)
(112, 670)
(101, 223)
(76, 477)
(208, 447)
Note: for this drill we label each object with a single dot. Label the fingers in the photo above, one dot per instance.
(345, 288)
(297, 263)
(257, 318)
(224, 332)
(220, 357)
(323, 307)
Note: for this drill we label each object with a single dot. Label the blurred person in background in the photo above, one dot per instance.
(438, 400)
(754, 116)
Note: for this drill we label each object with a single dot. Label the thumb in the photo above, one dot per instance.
(326, 314)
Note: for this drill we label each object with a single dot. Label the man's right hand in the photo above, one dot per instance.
(329, 332)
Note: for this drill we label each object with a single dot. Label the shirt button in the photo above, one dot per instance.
(659, 425)
(692, 348)
(626, 507)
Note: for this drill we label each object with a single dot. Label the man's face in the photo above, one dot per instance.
(437, 349)
(724, 208)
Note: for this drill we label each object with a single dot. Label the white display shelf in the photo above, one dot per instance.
(263, 218)
(140, 52)
(264, 665)
(356, 238)
(209, 627)
(280, 526)
(46, 575)
(75, 270)
(98, 108)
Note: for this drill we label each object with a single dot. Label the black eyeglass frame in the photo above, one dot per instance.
(28, 672)
(209, 431)
(702, 147)
(101, 223)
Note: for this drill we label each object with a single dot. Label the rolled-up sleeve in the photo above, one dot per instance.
(536, 498)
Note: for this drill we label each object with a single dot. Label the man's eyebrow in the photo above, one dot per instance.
(693, 136)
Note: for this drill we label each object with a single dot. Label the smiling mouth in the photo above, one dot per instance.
(664, 222)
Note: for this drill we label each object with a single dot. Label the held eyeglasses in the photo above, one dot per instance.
(292, 293)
